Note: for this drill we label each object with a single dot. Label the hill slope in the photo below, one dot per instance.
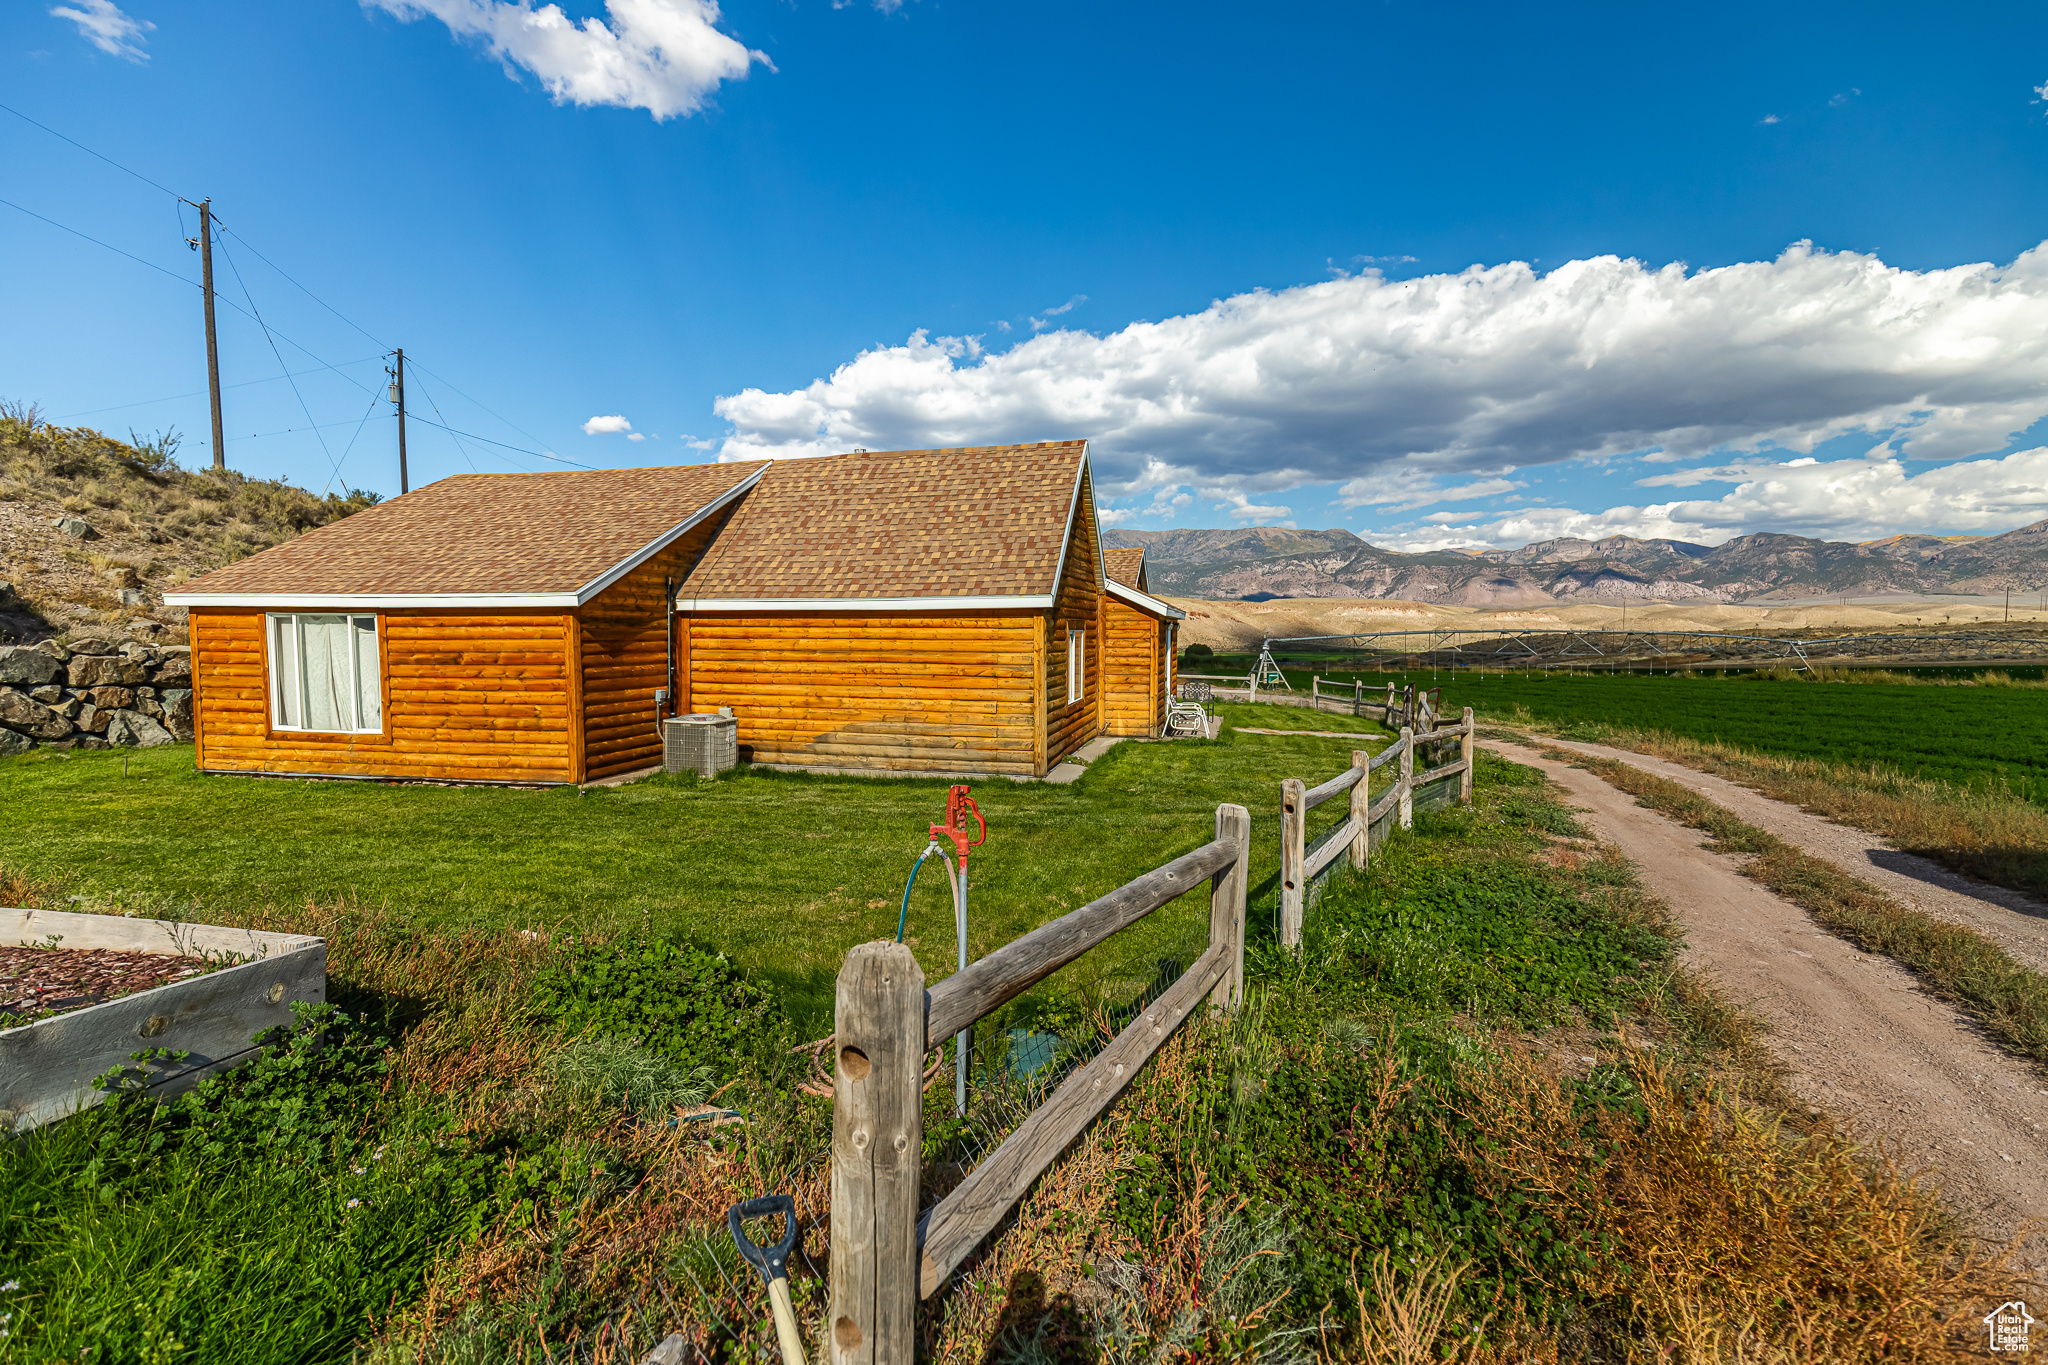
(1278, 562)
(93, 530)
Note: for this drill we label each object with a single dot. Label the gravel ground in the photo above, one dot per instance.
(2016, 922)
(1864, 1042)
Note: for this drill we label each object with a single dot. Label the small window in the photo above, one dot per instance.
(324, 674)
(1077, 665)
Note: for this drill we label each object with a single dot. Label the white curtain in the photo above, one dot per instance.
(324, 666)
(325, 673)
(369, 689)
(284, 671)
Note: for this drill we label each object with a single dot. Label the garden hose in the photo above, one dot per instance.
(903, 915)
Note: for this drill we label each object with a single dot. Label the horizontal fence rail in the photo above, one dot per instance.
(1009, 971)
(957, 1226)
(1301, 865)
(884, 1258)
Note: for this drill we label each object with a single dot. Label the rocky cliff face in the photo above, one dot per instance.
(1264, 561)
(94, 693)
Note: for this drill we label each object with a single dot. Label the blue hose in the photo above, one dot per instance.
(903, 915)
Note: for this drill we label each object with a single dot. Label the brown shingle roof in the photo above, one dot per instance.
(965, 522)
(1126, 566)
(486, 533)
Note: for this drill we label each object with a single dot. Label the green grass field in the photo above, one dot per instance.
(471, 1157)
(1968, 736)
(782, 872)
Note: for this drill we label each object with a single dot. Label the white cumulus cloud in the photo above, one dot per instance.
(664, 56)
(1450, 382)
(1856, 499)
(606, 426)
(105, 26)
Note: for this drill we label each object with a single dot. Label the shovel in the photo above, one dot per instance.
(773, 1263)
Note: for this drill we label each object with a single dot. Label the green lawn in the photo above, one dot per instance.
(1983, 737)
(782, 872)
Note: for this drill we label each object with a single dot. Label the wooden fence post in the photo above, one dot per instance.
(1226, 905)
(877, 1152)
(1315, 691)
(1361, 840)
(1293, 855)
(1407, 779)
(1465, 753)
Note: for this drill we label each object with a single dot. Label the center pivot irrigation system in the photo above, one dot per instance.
(1631, 649)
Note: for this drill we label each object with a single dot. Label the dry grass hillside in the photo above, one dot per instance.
(1232, 626)
(94, 530)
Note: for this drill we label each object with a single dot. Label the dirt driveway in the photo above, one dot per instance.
(1864, 1041)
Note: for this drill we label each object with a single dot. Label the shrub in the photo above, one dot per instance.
(1196, 656)
(676, 1000)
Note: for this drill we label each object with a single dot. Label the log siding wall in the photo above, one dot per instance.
(935, 692)
(1077, 605)
(466, 698)
(1133, 682)
(624, 649)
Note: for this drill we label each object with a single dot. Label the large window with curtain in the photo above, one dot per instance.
(324, 675)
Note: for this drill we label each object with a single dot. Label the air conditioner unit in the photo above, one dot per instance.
(703, 743)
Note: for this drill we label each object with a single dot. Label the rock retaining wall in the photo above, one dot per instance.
(94, 694)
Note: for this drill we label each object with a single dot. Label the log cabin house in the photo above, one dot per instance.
(933, 611)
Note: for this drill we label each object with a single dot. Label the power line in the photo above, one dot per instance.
(90, 152)
(193, 283)
(450, 430)
(197, 393)
(538, 454)
(272, 337)
(335, 467)
(296, 285)
(287, 431)
(502, 418)
(352, 441)
(97, 242)
(182, 200)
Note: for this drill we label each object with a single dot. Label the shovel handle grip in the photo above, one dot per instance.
(772, 1262)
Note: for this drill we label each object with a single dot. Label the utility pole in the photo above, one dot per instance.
(398, 397)
(205, 248)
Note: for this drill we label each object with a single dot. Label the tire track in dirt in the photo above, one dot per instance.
(1864, 1041)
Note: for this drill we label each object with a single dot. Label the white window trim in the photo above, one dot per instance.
(295, 669)
(1077, 663)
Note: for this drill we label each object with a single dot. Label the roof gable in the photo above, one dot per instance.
(559, 538)
(1126, 567)
(975, 522)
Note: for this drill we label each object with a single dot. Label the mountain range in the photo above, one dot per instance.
(1269, 561)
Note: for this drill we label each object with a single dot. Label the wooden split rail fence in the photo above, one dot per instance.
(884, 1256)
(1410, 706)
(1366, 829)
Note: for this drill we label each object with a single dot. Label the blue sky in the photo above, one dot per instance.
(1440, 274)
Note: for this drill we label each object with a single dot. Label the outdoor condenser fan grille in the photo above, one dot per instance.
(703, 743)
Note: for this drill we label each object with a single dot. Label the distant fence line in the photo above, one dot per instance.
(1370, 824)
